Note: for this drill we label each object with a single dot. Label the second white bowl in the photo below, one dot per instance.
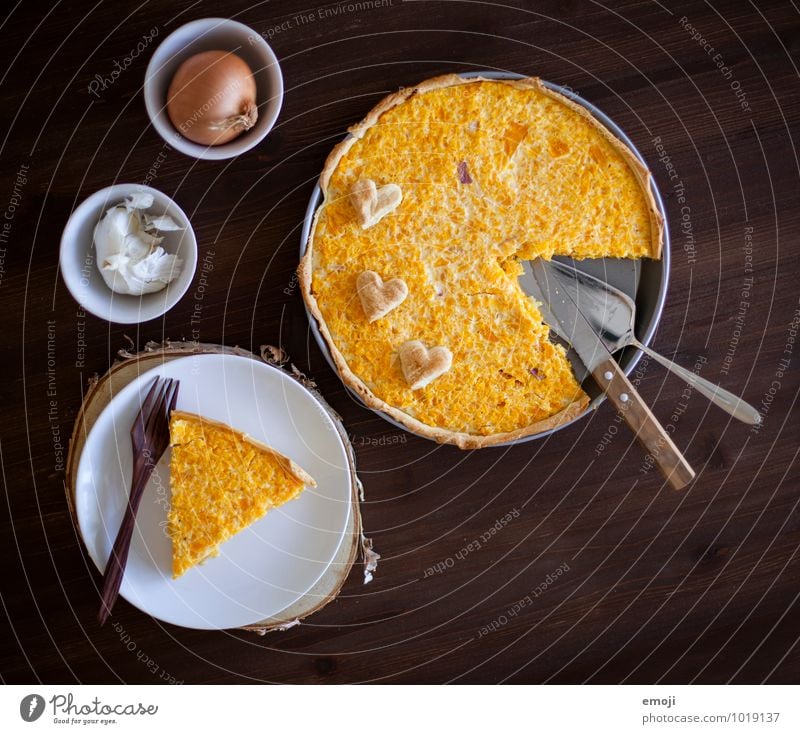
(78, 259)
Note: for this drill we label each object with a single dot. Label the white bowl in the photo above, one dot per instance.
(210, 34)
(78, 260)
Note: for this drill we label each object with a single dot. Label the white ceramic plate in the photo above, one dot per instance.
(266, 567)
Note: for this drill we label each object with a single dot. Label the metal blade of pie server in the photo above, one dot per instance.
(529, 285)
(572, 325)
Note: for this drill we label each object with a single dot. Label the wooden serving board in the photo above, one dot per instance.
(131, 365)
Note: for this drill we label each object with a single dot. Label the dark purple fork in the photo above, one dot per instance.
(149, 439)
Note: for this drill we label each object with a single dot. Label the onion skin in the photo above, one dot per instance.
(212, 98)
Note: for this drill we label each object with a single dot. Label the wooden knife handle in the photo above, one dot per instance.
(645, 425)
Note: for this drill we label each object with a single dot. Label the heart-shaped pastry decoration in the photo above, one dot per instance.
(377, 297)
(372, 203)
(420, 365)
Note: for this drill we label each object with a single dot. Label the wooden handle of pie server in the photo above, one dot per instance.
(649, 432)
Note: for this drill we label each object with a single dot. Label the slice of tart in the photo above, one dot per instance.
(222, 481)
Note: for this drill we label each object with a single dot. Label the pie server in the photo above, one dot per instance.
(612, 314)
(560, 311)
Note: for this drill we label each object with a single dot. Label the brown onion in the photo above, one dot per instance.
(212, 98)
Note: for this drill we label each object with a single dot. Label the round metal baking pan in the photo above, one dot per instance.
(644, 280)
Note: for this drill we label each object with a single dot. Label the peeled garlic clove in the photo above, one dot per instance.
(113, 262)
(129, 256)
(164, 223)
(157, 269)
(114, 270)
(151, 241)
(109, 241)
(114, 226)
(139, 200)
(136, 246)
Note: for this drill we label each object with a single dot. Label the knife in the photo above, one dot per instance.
(561, 313)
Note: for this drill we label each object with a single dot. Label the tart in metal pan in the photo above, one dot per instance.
(492, 172)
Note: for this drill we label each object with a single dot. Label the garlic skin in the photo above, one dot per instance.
(129, 255)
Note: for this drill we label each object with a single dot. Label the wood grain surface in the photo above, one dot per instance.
(564, 560)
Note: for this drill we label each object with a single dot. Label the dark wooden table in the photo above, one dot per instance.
(602, 574)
